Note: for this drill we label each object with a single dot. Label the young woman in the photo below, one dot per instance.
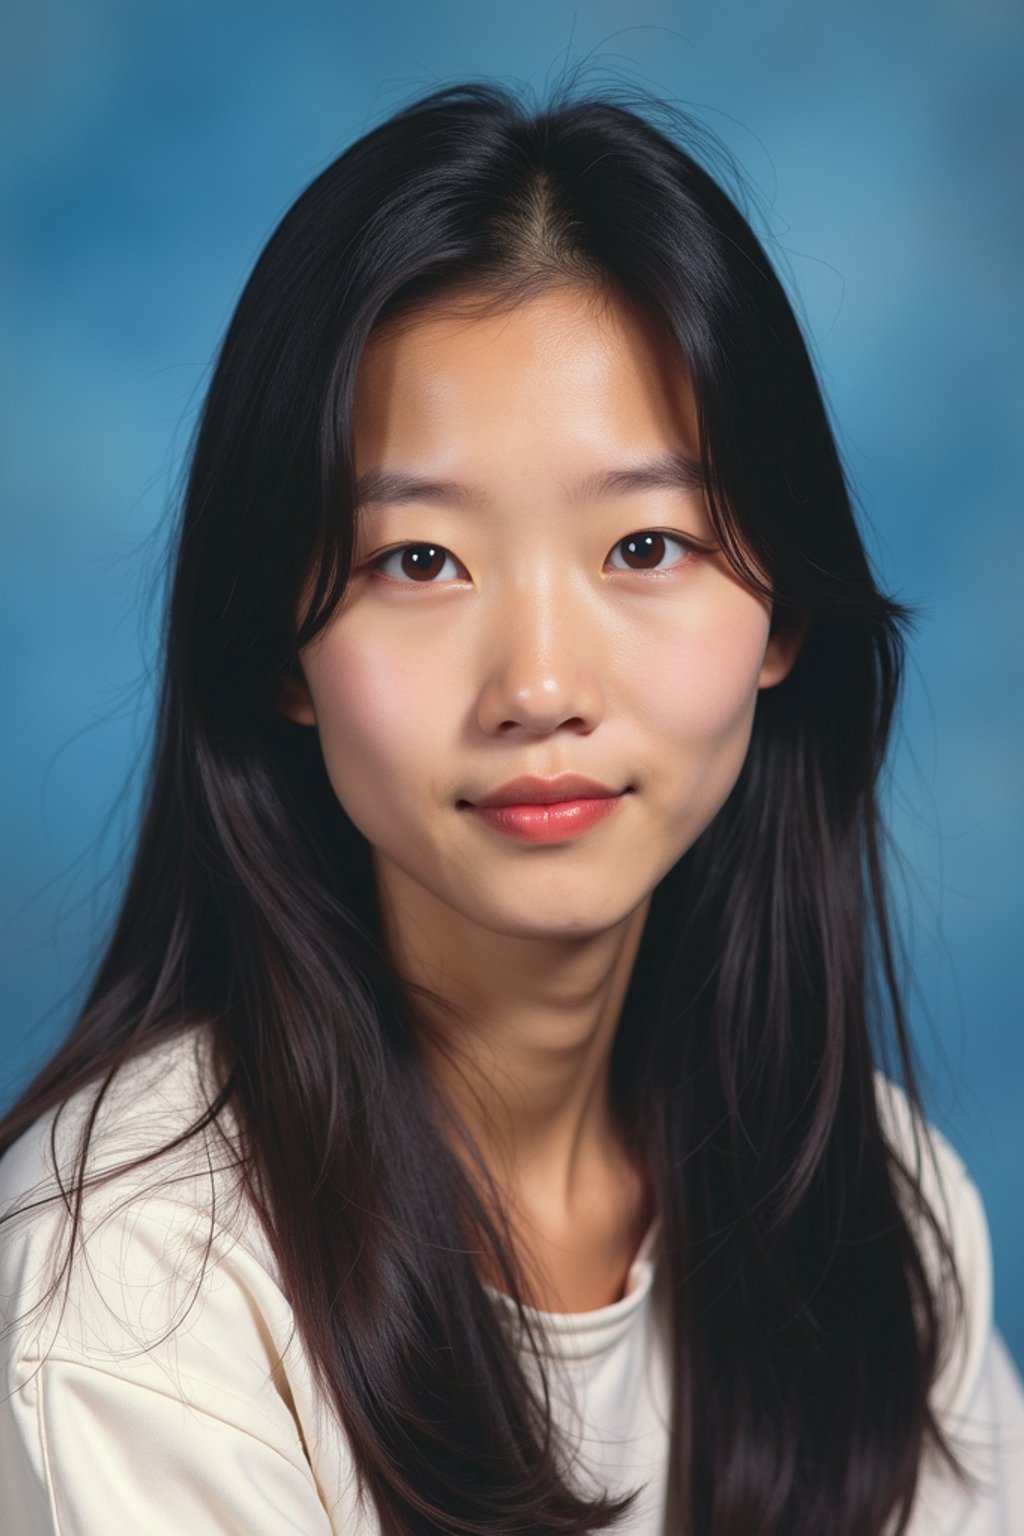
(476, 1122)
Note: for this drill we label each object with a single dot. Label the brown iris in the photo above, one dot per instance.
(422, 561)
(646, 549)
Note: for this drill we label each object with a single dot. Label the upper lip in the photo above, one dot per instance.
(531, 791)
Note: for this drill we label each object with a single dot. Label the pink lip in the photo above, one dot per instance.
(547, 810)
(532, 791)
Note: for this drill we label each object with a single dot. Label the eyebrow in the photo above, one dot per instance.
(669, 471)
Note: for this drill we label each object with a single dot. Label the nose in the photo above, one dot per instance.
(541, 664)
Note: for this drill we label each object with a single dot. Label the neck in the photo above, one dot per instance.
(519, 1040)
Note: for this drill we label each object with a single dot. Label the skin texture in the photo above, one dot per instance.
(533, 642)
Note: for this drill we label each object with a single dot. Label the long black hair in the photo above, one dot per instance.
(806, 1332)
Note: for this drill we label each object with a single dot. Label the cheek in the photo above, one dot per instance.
(372, 705)
(700, 694)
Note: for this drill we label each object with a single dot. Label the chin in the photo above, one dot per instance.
(569, 921)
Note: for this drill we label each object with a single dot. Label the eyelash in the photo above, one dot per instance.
(690, 548)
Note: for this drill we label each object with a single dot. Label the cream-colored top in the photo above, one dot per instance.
(162, 1399)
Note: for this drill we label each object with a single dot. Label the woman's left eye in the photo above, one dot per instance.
(646, 551)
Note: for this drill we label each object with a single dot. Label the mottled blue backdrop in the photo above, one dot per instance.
(148, 149)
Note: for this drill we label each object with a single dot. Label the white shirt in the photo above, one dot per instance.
(167, 1398)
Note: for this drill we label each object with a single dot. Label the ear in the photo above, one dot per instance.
(294, 702)
(786, 636)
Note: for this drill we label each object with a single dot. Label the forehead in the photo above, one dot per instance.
(569, 368)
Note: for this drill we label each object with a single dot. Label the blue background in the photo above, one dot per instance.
(148, 151)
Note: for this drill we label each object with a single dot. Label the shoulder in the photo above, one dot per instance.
(165, 1351)
(977, 1396)
(957, 1206)
(158, 1217)
(150, 1103)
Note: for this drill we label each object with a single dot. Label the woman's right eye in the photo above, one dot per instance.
(419, 564)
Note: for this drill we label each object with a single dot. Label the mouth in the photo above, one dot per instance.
(546, 811)
(565, 788)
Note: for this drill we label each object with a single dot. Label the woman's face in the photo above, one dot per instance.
(536, 593)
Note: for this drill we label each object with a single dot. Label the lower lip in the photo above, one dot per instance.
(547, 823)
